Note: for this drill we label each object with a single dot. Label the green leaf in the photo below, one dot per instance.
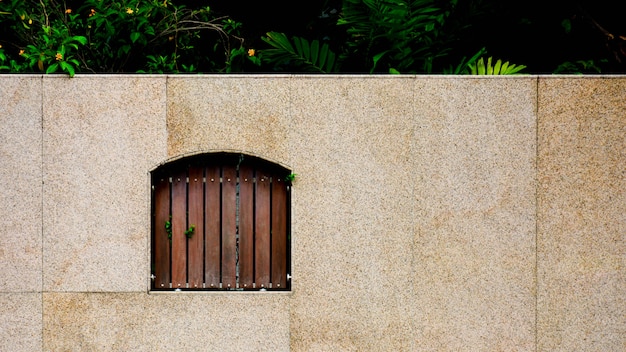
(567, 25)
(330, 62)
(279, 40)
(81, 39)
(67, 68)
(315, 48)
(52, 68)
(134, 36)
(496, 68)
(323, 54)
(481, 66)
(298, 44)
(306, 52)
(376, 58)
(504, 67)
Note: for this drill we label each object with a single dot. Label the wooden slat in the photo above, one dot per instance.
(279, 233)
(213, 233)
(161, 243)
(229, 227)
(179, 225)
(246, 227)
(196, 214)
(262, 231)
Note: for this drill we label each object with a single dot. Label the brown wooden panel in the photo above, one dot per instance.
(262, 231)
(229, 227)
(161, 245)
(246, 227)
(179, 225)
(213, 232)
(196, 215)
(279, 233)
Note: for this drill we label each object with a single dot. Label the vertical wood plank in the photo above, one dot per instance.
(196, 215)
(179, 224)
(279, 233)
(161, 245)
(246, 227)
(262, 231)
(229, 227)
(213, 232)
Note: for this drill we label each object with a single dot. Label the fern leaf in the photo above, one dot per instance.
(315, 49)
(330, 62)
(306, 50)
(306, 55)
(298, 45)
(323, 54)
(497, 67)
(480, 68)
(505, 67)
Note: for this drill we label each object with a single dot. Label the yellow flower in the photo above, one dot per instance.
(68, 11)
(129, 11)
(22, 52)
(251, 52)
(92, 12)
(58, 56)
(30, 21)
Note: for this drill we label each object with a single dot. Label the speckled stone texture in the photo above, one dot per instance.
(101, 137)
(353, 214)
(20, 177)
(429, 213)
(229, 113)
(582, 214)
(473, 272)
(165, 322)
(20, 321)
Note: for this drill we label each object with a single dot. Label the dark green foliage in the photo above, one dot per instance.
(117, 36)
(319, 36)
(387, 35)
(302, 55)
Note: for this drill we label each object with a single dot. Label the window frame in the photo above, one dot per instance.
(258, 183)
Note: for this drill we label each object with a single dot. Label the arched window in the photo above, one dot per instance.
(221, 221)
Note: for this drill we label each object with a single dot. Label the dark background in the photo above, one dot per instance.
(531, 33)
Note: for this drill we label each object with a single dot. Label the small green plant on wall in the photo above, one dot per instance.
(291, 177)
(189, 232)
(168, 229)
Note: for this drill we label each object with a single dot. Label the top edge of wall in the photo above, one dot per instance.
(330, 76)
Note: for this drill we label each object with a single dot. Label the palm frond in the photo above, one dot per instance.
(306, 55)
(481, 67)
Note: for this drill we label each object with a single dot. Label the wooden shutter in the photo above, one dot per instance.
(220, 225)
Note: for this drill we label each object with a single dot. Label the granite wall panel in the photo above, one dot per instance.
(582, 214)
(21, 322)
(101, 138)
(20, 177)
(474, 242)
(353, 214)
(129, 321)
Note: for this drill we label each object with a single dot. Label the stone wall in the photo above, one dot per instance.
(430, 213)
